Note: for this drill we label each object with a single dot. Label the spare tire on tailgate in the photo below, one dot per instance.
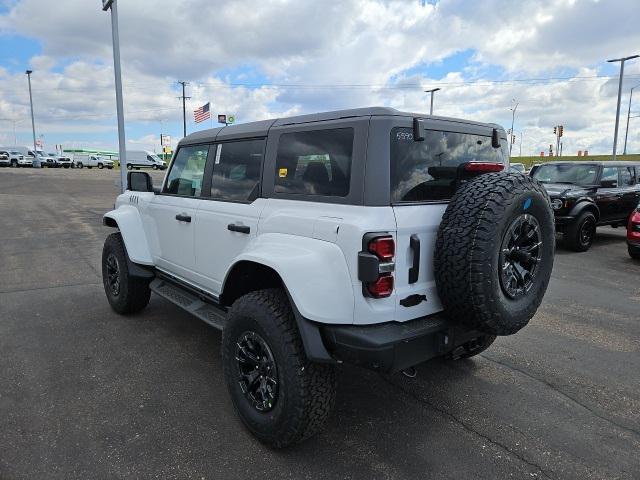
(494, 252)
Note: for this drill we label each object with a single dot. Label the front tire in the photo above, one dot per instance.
(633, 252)
(126, 294)
(14, 163)
(129, 166)
(100, 166)
(279, 395)
(580, 234)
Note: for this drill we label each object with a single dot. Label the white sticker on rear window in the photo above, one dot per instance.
(218, 153)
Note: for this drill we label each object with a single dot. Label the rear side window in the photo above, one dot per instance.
(187, 171)
(610, 174)
(236, 170)
(423, 171)
(316, 162)
(627, 176)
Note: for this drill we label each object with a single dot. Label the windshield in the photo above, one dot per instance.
(574, 174)
(52, 154)
(154, 158)
(427, 170)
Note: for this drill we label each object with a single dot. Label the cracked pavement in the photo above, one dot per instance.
(85, 393)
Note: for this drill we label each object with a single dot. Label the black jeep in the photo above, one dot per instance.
(589, 194)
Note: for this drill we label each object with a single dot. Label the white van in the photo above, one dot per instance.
(90, 160)
(22, 156)
(144, 158)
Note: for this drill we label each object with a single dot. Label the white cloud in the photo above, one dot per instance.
(368, 42)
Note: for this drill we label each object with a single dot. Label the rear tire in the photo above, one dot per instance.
(494, 252)
(634, 252)
(80, 165)
(126, 294)
(297, 396)
(100, 166)
(580, 234)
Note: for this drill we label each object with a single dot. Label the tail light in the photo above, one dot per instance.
(376, 265)
(633, 229)
(483, 167)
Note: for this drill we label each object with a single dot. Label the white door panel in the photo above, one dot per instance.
(422, 221)
(215, 244)
(173, 245)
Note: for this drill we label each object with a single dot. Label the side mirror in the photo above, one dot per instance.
(418, 130)
(609, 183)
(139, 182)
(495, 138)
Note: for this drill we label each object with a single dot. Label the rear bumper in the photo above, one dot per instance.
(394, 346)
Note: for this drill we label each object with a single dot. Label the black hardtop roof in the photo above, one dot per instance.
(611, 163)
(261, 128)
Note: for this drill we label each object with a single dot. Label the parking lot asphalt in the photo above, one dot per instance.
(85, 393)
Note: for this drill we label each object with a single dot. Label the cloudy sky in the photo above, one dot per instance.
(266, 58)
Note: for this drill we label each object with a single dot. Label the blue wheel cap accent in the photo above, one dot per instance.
(527, 203)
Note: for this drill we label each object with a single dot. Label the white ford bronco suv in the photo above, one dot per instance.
(368, 236)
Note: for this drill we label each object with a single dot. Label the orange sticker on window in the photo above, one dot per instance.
(283, 172)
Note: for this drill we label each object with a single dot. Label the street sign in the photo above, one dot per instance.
(222, 119)
(231, 119)
(106, 4)
(165, 140)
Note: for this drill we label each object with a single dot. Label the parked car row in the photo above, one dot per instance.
(15, 156)
(586, 195)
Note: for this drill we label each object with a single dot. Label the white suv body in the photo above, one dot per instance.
(341, 212)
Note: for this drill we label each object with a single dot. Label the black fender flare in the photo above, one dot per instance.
(585, 204)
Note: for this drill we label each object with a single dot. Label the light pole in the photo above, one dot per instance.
(615, 133)
(513, 119)
(626, 133)
(33, 122)
(122, 152)
(432, 91)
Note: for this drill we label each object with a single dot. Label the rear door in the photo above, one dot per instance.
(609, 196)
(228, 219)
(629, 189)
(423, 180)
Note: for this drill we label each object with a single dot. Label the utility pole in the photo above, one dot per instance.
(122, 150)
(184, 108)
(432, 91)
(615, 134)
(513, 119)
(626, 133)
(521, 135)
(33, 122)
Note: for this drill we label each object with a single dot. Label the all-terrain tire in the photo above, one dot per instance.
(305, 394)
(579, 235)
(470, 259)
(133, 293)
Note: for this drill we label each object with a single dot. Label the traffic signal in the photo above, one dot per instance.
(554, 130)
(561, 130)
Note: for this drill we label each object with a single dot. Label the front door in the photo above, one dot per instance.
(172, 213)
(608, 196)
(228, 220)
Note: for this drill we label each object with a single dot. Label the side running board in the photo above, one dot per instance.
(208, 313)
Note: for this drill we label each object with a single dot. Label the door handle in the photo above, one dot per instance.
(414, 271)
(183, 217)
(239, 228)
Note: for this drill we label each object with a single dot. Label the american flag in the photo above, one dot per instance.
(203, 113)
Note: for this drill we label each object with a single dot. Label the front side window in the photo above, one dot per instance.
(610, 175)
(187, 171)
(236, 170)
(427, 170)
(316, 162)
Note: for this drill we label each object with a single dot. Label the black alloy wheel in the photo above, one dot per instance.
(520, 255)
(257, 371)
(113, 274)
